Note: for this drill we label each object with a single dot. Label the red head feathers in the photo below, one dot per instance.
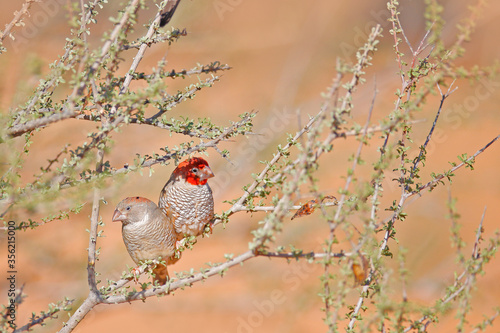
(195, 170)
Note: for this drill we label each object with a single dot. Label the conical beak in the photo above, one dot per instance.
(118, 216)
(206, 173)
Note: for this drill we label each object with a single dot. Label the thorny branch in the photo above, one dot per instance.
(65, 61)
(463, 281)
(40, 319)
(397, 28)
(280, 209)
(69, 110)
(17, 19)
(79, 114)
(294, 171)
(437, 179)
(431, 131)
(176, 284)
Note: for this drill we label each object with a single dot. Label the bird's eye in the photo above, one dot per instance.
(194, 170)
(128, 207)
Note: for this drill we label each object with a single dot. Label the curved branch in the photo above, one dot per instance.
(21, 129)
(171, 286)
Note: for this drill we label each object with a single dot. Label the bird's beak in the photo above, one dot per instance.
(206, 173)
(118, 216)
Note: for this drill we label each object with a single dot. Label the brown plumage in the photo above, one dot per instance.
(148, 233)
(188, 198)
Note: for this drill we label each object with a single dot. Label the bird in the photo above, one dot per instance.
(168, 11)
(148, 234)
(188, 198)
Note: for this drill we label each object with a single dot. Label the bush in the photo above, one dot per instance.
(389, 165)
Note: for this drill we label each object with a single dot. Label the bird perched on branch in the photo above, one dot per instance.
(148, 233)
(187, 197)
(168, 11)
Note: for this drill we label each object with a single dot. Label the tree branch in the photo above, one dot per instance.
(176, 284)
(18, 130)
(438, 178)
(17, 18)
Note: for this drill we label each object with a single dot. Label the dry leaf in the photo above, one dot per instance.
(309, 207)
(360, 271)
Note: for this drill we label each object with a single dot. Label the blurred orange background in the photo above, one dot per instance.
(283, 56)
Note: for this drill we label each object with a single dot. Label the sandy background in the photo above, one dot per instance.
(283, 56)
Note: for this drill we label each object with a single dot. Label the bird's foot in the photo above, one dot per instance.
(180, 243)
(208, 229)
(135, 274)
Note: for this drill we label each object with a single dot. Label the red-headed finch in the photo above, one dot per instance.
(188, 198)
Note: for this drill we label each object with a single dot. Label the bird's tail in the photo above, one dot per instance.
(160, 271)
(160, 274)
